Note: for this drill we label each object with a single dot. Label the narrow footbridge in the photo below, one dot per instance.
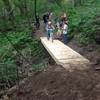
(64, 55)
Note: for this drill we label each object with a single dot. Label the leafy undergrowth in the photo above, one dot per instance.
(22, 52)
(84, 23)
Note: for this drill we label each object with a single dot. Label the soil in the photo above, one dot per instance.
(90, 51)
(56, 83)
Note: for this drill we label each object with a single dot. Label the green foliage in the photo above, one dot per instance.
(23, 43)
(74, 19)
(8, 75)
(7, 72)
(38, 51)
(40, 66)
(81, 20)
(84, 39)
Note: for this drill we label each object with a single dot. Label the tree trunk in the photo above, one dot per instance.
(73, 2)
(9, 10)
(35, 7)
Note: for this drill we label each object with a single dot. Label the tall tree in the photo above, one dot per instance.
(35, 8)
(9, 10)
(77, 2)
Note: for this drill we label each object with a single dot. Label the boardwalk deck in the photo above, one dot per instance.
(64, 55)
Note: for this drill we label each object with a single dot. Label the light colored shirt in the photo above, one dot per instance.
(65, 28)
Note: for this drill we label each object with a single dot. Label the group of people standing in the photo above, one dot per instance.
(61, 25)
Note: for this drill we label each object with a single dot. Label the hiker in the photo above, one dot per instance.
(63, 18)
(37, 22)
(50, 29)
(50, 15)
(45, 19)
(58, 30)
(64, 32)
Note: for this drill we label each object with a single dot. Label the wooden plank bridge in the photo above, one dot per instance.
(64, 55)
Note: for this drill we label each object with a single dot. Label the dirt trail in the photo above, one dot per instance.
(56, 83)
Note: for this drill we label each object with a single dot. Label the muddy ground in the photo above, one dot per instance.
(56, 83)
(90, 51)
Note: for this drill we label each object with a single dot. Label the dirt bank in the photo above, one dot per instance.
(56, 83)
(90, 51)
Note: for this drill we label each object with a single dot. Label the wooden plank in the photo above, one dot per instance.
(62, 54)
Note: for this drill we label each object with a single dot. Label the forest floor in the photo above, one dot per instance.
(90, 51)
(56, 83)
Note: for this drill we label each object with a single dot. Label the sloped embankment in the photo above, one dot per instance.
(56, 83)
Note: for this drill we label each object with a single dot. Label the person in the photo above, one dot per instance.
(63, 18)
(45, 19)
(50, 29)
(64, 31)
(37, 22)
(50, 15)
(58, 29)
